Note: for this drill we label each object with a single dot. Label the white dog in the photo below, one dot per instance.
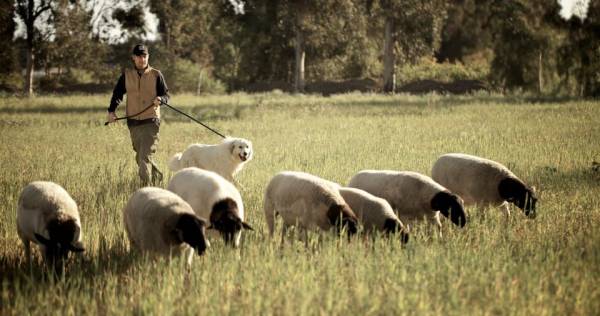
(226, 158)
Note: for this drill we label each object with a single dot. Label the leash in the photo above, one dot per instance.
(174, 109)
(129, 116)
(191, 118)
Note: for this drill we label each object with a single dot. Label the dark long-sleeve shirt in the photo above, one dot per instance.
(119, 90)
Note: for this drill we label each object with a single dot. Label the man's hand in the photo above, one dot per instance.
(111, 117)
(157, 101)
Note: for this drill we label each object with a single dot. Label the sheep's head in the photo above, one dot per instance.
(224, 218)
(63, 239)
(392, 226)
(191, 230)
(342, 217)
(450, 205)
(516, 192)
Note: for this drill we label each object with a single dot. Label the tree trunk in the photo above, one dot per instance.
(29, 73)
(389, 58)
(300, 55)
(540, 74)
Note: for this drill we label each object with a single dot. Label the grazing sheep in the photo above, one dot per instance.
(307, 201)
(373, 212)
(214, 198)
(48, 216)
(483, 182)
(412, 195)
(159, 221)
(226, 158)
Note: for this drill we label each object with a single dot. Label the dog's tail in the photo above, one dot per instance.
(175, 162)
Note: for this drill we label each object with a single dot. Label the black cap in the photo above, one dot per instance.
(140, 49)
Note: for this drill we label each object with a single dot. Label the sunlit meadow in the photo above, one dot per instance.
(494, 266)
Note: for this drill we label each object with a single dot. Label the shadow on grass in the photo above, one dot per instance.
(50, 109)
(450, 100)
(553, 177)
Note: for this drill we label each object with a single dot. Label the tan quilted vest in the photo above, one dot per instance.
(141, 92)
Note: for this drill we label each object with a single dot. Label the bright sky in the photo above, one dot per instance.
(569, 8)
(113, 29)
(577, 8)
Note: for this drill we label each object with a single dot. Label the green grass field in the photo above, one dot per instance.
(494, 266)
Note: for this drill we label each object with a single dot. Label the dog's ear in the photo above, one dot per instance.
(232, 147)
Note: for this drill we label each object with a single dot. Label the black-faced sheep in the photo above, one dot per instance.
(375, 213)
(307, 201)
(159, 221)
(49, 217)
(483, 182)
(412, 195)
(214, 198)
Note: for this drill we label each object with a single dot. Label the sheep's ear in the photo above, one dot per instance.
(42, 239)
(533, 189)
(76, 247)
(246, 226)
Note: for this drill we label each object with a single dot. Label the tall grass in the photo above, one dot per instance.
(550, 265)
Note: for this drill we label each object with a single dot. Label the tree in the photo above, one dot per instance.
(8, 54)
(466, 30)
(71, 46)
(579, 53)
(292, 40)
(30, 12)
(185, 30)
(411, 29)
(520, 39)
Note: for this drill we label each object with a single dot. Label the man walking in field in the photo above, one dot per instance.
(145, 88)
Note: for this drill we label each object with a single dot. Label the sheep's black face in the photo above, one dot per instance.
(342, 217)
(527, 202)
(515, 191)
(57, 248)
(392, 226)
(224, 218)
(450, 206)
(351, 225)
(192, 230)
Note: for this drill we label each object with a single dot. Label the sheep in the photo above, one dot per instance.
(160, 222)
(49, 217)
(412, 195)
(373, 212)
(226, 158)
(484, 182)
(306, 201)
(214, 198)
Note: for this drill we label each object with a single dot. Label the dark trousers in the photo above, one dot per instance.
(144, 137)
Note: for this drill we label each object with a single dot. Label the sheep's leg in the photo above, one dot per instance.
(505, 208)
(27, 245)
(269, 209)
(237, 238)
(435, 220)
(305, 237)
(438, 224)
(284, 229)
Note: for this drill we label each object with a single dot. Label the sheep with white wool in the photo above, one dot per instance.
(308, 202)
(214, 198)
(226, 158)
(375, 213)
(412, 195)
(483, 182)
(159, 221)
(49, 217)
